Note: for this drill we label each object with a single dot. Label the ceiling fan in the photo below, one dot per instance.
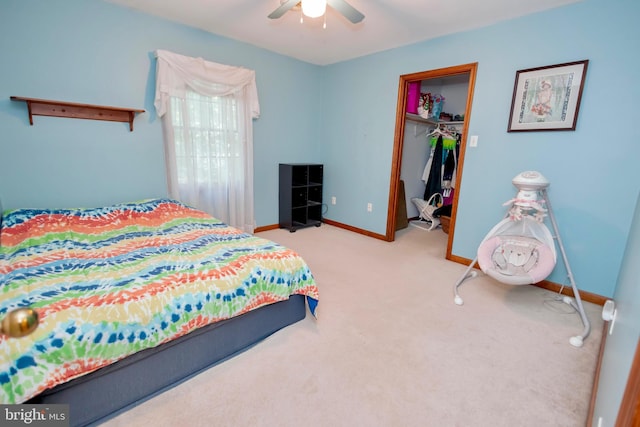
(316, 8)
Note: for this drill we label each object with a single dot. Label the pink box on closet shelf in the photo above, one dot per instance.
(413, 97)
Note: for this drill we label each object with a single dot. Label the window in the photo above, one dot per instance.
(207, 111)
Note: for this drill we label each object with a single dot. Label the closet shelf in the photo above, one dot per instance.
(420, 119)
(45, 107)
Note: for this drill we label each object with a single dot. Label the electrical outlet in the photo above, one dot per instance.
(333, 200)
(369, 207)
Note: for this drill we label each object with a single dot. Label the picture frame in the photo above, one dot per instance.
(547, 98)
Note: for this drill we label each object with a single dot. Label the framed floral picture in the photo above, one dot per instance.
(547, 98)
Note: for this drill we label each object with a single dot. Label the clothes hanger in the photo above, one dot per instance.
(437, 131)
(441, 130)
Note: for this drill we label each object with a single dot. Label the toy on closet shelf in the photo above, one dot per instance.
(437, 103)
(430, 105)
(423, 106)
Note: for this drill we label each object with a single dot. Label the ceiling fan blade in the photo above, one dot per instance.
(347, 10)
(284, 7)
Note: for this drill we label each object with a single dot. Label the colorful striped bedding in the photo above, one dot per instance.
(109, 282)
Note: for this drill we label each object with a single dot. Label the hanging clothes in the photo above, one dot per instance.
(434, 183)
(448, 175)
(427, 167)
(447, 196)
(449, 166)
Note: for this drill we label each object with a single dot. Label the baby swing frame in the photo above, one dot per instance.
(576, 340)
(426, 208)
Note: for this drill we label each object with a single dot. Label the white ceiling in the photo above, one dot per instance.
(387, 24)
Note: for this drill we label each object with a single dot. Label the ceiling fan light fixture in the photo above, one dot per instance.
(314, 8)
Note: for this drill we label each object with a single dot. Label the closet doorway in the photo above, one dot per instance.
(465, 72)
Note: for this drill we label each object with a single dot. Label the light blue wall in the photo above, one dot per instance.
(622, 340)
(593, 171)
(95, 52)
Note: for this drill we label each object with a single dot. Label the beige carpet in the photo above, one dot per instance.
(390, 348)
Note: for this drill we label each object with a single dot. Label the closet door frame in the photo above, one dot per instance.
(396, 165)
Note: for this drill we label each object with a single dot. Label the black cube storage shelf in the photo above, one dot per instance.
(300, 195)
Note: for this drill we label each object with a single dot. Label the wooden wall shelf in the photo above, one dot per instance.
(45, 107)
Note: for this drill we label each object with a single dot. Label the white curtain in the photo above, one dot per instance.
(207, 111)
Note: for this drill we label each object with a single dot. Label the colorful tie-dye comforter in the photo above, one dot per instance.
(109, 282)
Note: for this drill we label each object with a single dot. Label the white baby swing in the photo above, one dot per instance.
(520, 249)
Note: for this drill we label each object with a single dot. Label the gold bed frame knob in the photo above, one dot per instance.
(19, 322)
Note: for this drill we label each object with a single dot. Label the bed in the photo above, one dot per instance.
(135, 298)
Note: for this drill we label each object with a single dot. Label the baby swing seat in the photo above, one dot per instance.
(519, 252)
(520, 249)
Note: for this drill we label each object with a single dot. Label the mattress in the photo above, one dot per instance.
(110, 282)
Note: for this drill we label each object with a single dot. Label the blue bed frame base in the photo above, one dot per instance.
(105, 393)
